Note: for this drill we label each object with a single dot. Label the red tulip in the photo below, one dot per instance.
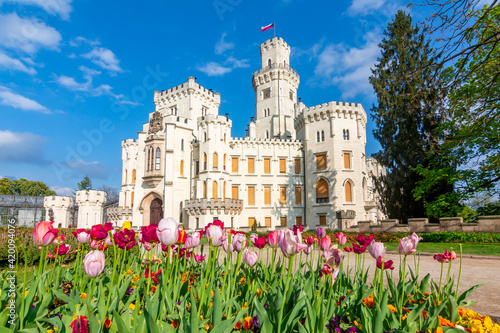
(79, 325)
(362, 240)
(44, 233)
(387, 264)
(182, 236)
(153, 275)
(358, 249)
(440, 258)
(199, 258)
(149, 233)
(309, 240)
(100, 232)
(260, 242)
(272, 239)
(62, 249)
(125, 239)
(297, 228)
(348, 249)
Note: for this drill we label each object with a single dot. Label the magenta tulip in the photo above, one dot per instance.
(251, 257)
(44, 233)
(325, 243)
(320, 232)
(93, 263)
(272, 239)
(377, 249)
(168, 231)
(199, 258)
(100, 232)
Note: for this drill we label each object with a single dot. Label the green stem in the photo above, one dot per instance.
(459, 271)
(24, 281)
(402, 280)
(280, 317)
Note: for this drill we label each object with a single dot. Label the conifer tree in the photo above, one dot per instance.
(406, 115)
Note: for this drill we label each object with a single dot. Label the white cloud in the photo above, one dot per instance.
(87, 85)
(92, 169)
(213, 68)
(104, 58)
(53, 7)
(364, 7)
(222, 45)
(64, 191)
(17, 101)
(27, 35)
(21, 147)
(81, 40)
(9, 63)
(347, 67)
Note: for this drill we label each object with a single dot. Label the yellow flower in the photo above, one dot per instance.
(132, 306)
(126, 225)
(243, 281)
(259, 292)
(83, 296)
(129, 272)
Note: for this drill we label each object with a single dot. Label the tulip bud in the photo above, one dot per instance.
(168, 231)
(93, 263)
(377, 250)
(250, 257)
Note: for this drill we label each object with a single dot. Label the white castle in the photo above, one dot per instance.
(297, 165)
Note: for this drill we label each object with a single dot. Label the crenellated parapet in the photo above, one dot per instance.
(214, 119)
(248, 142)
(60, 208)
(165, 98)
(90, 211)
(325, 111)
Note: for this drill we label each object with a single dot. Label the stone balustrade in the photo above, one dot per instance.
(199, 207)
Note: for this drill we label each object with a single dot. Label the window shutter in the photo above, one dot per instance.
(234, 192)
(283, 220)
(321, 189)
(321, 162)
(234, 163)
(297, 165)
(267, 195)
(283, 195)
(298, 220)
(267, 165)
(251, 195)
(204, 190)
(348, 192)
(347, 161)
(251, 165)
(267, 221)
(214, 190)
(216, 162)
(182, 168)
(251, 221)
(298, 195)
(322, 220)
(282, 165)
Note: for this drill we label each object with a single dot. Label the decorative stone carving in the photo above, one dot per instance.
(156, 123)
(346, 214)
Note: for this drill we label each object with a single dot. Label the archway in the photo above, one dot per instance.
(155, 211)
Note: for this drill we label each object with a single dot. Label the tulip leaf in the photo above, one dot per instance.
(151, 325)
(120, 323)
(467, 293)
(193, 317)
(265, 323)
(424, 284)
(5, 330)
(217, 308)
(28, 300)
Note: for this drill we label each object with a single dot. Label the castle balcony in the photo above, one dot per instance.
(370, 204)
(118, 213)
(228, 206)
(153, 178)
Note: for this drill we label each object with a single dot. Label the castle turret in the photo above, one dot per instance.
(90, 210)
(58, 209)
(275, 86)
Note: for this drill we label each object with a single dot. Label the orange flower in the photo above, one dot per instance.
(368, 301)
(393, 309)
(238, 325)
(182, 236)
(247, 323)
(213, 294)
(107, 323)
(438, 330)
(445, 322)
(259, 292)
(174, 324)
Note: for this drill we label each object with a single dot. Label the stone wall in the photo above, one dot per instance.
(422, 225)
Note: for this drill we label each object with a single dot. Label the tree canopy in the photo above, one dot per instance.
(24, 187)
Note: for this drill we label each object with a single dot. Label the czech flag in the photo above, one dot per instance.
(267, 27)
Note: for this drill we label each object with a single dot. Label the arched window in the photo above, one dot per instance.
(317, 136)
(182, 144)
(204, 161)
(157, 164)
(363, 184)
(204, 190)
(224, 191)
(205, 136)
(267, 134)
(124, 199)
(125, 177)
(182, 168)
(269, 62)
(348, 191)
(224, 162)
(224, 137)
(133, 176)
(214, 190)
(322, 135)
(180, 213)
(151, 159)
(215, 161)
(132, 200)
(322, 193)
(345, 134)
(147, 161)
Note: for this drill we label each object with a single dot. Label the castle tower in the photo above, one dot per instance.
(61, 210)
(275, 86)
(90, 210)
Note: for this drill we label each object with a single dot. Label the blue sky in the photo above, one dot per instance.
(77, 77)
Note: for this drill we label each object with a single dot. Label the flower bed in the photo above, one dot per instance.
(161, 280)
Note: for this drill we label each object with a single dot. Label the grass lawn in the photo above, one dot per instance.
(487, 249)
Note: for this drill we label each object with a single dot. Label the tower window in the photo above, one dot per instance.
(345, 134)
(266, 93)
(182, 144)
(269, 63)
(322, 193)
(157, 164)
(317, 136)
(322, 135)
(291, 95)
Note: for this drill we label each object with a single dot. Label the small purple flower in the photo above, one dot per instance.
(256, 322)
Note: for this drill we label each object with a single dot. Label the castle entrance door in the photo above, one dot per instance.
(155, 211)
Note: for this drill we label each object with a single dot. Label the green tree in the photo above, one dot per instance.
(85, 184)
(472, 131)
(24, 187)
(406, 117)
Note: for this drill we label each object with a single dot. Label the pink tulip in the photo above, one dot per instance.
(82, 235)
(192, 240)
(250, 257)
(308, 249)
(272, 239)
(415, 239)
(335, 273)
(440, 258)
(320, 232)
(238, 242)
(217, 234)
(94, 263)
(168, 231)
(333, 257)
(253, 237)
(148, 246)
(59, 239)
(408, 245)
(93, 244)
(44, 233)
(199, 258)
(377, 249)
(291, 244)
(341, 238)
(325, 243)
